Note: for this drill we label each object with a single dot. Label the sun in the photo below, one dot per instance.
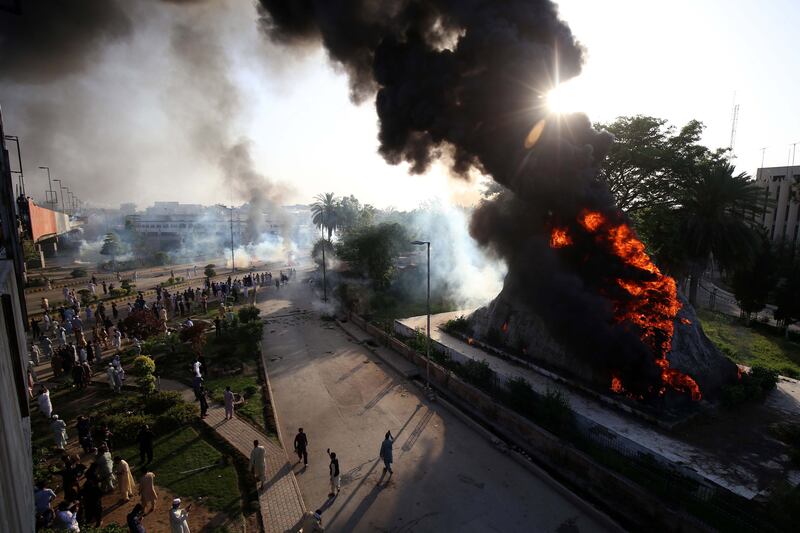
(565, 98)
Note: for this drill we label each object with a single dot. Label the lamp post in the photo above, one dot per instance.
(324, 278)
(428, 330)
(50, 194)
(64, 206)
(19, 158)
(61, 188)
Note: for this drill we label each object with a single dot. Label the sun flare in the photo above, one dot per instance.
(565, 98)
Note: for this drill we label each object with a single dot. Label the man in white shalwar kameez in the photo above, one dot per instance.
(59, 428)
(178, 518)
(258, 462)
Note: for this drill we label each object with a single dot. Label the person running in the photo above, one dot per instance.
(179, 518)
(92, 502)
(147, 490)
(203, 402)
(258, 462)
(301, 446)
(333, 470)
(386, 452)
(311, 522)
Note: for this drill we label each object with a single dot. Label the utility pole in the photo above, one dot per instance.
(19, 158)
(233, 258)
(50, 194)
(324, 278)
(734, 123)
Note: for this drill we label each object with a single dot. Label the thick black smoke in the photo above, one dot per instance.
(49, 39)
(466, 78)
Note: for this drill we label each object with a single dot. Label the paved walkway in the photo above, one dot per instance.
(446, 476)
(280, 500)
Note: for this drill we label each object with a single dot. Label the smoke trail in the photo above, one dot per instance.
(466, 78)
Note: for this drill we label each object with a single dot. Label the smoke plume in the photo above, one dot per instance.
(466, 78)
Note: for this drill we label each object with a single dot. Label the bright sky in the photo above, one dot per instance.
(677, 60)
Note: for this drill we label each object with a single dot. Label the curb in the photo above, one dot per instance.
(268, 388)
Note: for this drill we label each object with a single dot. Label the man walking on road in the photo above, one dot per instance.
(301, 446)
(258, 462)
(336, 480)
(386, 452)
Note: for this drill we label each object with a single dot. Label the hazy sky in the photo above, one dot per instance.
(678, 60)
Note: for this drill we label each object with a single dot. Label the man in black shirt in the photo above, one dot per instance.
(146, 444)
(301, 446)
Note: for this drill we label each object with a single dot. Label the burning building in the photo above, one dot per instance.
(465, 81)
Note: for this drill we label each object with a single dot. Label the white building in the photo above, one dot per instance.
(782, 189)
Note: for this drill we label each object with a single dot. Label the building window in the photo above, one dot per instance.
(19, 377)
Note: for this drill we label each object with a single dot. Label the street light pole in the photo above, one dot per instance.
(428, 330)
(19, 158)
(324, 279)
(50, 194)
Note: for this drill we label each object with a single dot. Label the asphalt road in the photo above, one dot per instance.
(447, 476)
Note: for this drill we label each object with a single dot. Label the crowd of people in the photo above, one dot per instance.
(82, 340)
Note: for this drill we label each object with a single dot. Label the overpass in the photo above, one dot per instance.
(41, 225)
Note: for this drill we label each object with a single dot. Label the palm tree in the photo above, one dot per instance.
(718, 211)
(323, 213)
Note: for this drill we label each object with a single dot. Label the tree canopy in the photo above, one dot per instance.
(111, 245)
(372, 250)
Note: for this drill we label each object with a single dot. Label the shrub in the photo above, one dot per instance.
(143, 365)
(125, 426)
(249, 313)
(36, 282)
(250, 391)
(478, 373)
(209, 270)
(195, 336)
(116, 292)
(553, 413)
(142, 324)
(521, 397)
(459, 325)
(127, 286)
(79, 273)
(178, 415)
(752, 386)
(86, 297)
(162, 401)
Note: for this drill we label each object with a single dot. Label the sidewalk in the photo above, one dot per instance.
(280, 501)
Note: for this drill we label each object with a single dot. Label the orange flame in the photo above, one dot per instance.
(559, 238)
(470, 341)
(653, 304)
(591, 220)
(505, 327)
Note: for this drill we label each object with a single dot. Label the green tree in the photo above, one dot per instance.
(649, 163)
(372, 250)
(787, 299)
(753, 281)
(718, 220)
(111, 246)
(209, 270)
(323, 213)
(316, 252)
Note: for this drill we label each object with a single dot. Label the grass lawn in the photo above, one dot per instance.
(253, 408)
(182, 450)
(751, 347)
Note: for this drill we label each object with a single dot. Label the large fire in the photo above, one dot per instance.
(653, 303)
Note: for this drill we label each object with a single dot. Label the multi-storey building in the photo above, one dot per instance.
(16, 468)
(782, 190)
